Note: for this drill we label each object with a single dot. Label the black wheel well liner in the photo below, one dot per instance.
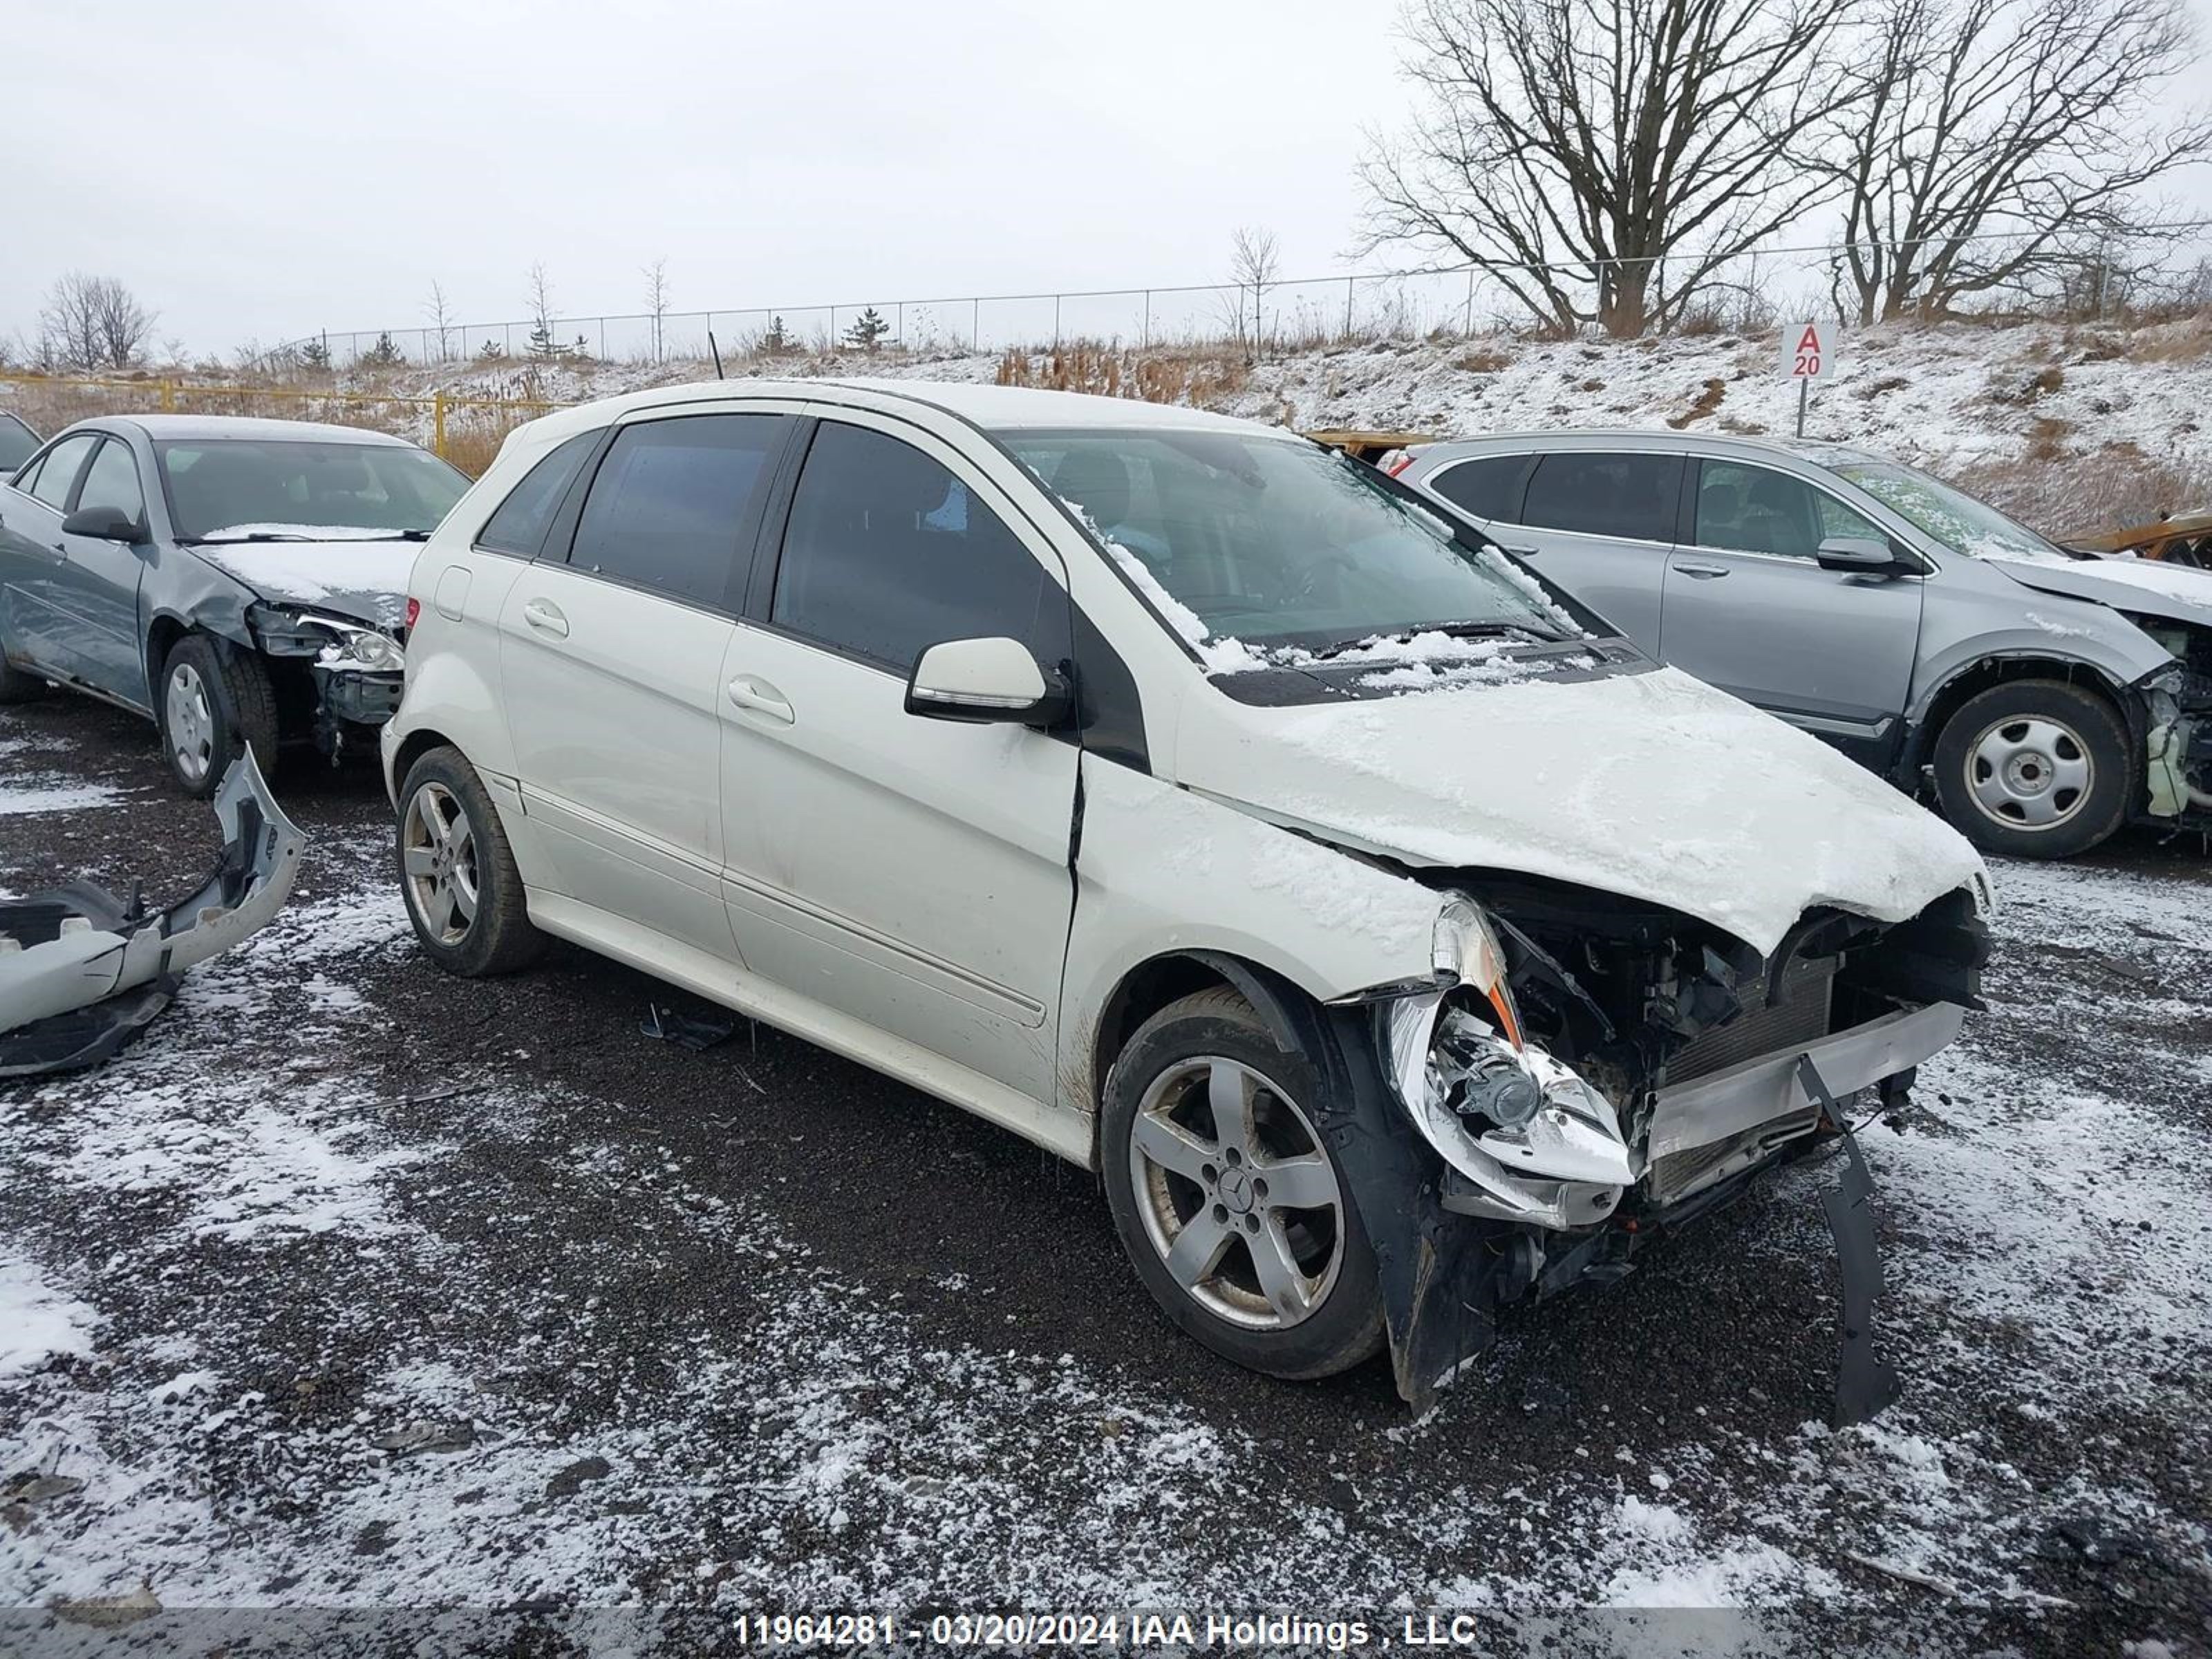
(1980, 676)
(412, 748)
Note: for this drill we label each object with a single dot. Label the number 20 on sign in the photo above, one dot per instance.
(1808, 354)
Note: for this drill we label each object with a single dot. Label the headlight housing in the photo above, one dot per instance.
(1537, 1144)
(366, 649)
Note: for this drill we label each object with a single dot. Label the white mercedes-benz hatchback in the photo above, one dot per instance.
(1395, 940)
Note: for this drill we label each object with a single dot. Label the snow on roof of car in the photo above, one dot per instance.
(994, 408)
(183, 427)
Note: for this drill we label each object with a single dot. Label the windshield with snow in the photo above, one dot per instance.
(240, 489)
(1951, 516)
(1280, 545)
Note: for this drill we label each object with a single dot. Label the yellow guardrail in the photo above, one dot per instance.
(168, 392)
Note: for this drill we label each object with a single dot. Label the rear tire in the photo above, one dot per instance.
(1207, 1128)
(456, 871)
(214, 703)
(2037, 768)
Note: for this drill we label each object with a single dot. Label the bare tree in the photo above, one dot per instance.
(441, 316)
(2002, 139)
(656, 304)
(542, 342)
(92, 322)
(1602, 160)
(1253, 265)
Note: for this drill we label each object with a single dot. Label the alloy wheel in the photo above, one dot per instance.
(438, 857)
(1236, 1194)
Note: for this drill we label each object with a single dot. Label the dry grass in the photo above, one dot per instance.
(2087, 491)
(1709, 399)
(1198, 376)
(1485, 360)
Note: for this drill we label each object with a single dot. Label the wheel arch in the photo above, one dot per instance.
(1974, 678)
(1168, 977)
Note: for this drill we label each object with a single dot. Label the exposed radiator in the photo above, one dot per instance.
(1798, 1015)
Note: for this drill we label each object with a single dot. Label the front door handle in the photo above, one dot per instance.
(1702, 571)
(545, 616)
(1520, 552)
(755, 695)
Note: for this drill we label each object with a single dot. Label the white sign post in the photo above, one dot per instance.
(1808, 354)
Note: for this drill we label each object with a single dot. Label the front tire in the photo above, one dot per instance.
(2037, 768)
(214, 703)
(1229, 1200)
(457, 870)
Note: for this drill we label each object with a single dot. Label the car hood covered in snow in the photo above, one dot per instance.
(2142, 586)
(1649, 786)
(364, 581)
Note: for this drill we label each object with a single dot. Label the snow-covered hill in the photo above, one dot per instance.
(2071, 428)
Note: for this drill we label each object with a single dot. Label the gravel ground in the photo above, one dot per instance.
(352, 1286)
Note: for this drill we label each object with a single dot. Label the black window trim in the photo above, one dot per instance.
(760, 597)
(560, 544)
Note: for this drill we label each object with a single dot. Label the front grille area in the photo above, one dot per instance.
(1797, 1017)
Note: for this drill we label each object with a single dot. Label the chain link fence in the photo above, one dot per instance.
(2164, 264)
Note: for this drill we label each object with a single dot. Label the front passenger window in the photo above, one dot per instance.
(1755, 509)
(888, 554)
(111, 481)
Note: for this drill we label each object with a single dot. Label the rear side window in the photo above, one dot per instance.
(1489, 487)
(888, 554)
(519, 524)
(1597, 493)
(112, 481)
(18, 443)
(673, 501)
(59, 469)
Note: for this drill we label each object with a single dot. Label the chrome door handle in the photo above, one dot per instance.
(1702, 572)
(545, 616)
(757, 696)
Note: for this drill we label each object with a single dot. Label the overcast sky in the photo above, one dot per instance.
(258, 170)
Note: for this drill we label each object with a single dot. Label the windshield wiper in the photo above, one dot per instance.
(220, 540)
(1457, 630)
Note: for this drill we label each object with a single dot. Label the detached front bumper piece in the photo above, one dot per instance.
(81, 971)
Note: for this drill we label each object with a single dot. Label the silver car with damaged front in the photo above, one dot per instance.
(2045, 697)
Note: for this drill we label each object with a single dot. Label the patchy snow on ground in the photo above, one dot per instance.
(310, 1337)
(46, 793)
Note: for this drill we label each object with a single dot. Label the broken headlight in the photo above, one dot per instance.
(1534, 1141)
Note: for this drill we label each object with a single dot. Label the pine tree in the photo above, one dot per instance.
(867, 328)
(384, 354)
(778, 340)
(316, 354)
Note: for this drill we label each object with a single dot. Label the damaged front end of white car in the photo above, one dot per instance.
(1591, 1071)
(83, 971)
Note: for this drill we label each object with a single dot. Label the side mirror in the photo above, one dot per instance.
(984, 680)
(103, 524)
(1863, 556)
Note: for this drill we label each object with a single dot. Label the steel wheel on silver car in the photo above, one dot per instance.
(2038, 768)
(463, 893)
(1228, 1198)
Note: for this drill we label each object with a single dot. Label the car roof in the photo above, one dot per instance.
(208, 427)
(1724, 444)
(993, 408)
